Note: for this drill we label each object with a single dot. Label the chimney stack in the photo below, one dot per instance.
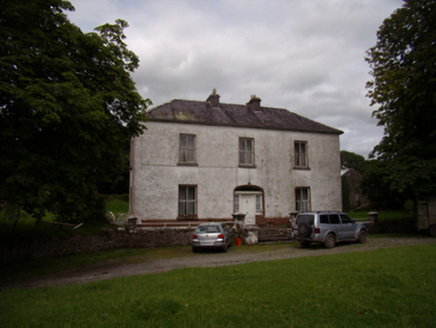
(214, 99)
(254, 103)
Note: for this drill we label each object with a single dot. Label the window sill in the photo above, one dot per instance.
(306, 168)
(187, 164)
(187, 217)
(247, 166)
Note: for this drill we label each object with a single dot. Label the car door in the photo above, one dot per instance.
(335, 225)
(348, 227)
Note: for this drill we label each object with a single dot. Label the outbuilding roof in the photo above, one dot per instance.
(251, 115)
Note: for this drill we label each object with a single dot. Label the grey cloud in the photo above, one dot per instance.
(306, 56)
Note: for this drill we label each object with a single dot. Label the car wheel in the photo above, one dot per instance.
(432, 230)
(330, 241)
(305, 243)
(224, 249)
(304, 230)
(194, 249)
(361, 238)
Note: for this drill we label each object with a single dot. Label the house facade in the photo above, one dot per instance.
(208, 160)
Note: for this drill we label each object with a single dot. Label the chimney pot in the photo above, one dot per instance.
(254, 103)
(214, 99)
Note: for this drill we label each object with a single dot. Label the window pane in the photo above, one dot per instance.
(258, 204)
(249, 145)
(191, 193)
(187, 200)
(246, 151)
(300, 153)
(187, 148)
(236, 204)
(191, 208)
(324, 218)
(182, 208)
(334, 219)
(182, 193)
(302, 199)
(345, 218)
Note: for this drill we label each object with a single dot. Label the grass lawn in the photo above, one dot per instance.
(381, 288)
(383, 215)
(28, 229)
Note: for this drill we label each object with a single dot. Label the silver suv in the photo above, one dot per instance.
(327, 228)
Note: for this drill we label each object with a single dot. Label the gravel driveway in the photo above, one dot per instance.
(116, 268)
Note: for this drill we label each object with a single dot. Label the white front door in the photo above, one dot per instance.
(248, 205)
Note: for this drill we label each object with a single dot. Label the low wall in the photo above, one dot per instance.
(113, 239)
(275, 234)
(393, 227)
(109, 239)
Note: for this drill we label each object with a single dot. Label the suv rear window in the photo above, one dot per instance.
(306, 218)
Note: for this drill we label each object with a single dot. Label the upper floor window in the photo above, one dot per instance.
(187, 153)
(301, 154)
(246, 151)
(302, 199)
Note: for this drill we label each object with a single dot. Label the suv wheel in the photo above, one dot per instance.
(304, 230)
(330, 241)
(361, 238)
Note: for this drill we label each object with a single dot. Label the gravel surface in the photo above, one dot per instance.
(116, 268)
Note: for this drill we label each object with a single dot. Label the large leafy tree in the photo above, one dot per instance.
(403, 64)
(68, 106)
(352, 160)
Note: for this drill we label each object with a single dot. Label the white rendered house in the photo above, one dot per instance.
(208, 160)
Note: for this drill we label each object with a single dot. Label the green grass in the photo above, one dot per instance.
(382, 215)
(27, 229)
(117, 205)
(381, 288)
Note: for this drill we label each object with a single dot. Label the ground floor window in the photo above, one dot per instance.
(187, 200)
(302, 199)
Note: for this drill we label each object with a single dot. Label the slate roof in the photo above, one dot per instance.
(201, 112)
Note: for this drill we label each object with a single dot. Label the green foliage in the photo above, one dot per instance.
(383, 216)
(378, 184)
(389, 288)
(404, 87)
(68, 108)
(26, 227)
(351, 160)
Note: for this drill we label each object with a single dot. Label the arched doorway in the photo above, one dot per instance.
(248, 200)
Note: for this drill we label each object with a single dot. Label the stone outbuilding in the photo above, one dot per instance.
(352, 192)
(207, 160)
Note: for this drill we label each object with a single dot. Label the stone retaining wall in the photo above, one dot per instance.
(109, 239)
(113, 239)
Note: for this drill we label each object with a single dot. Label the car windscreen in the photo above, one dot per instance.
(305, 218)
(208, 229)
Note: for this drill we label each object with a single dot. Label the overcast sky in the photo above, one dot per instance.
(303, 55)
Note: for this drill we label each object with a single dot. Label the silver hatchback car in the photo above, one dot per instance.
(212, 235)
(327, 228)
